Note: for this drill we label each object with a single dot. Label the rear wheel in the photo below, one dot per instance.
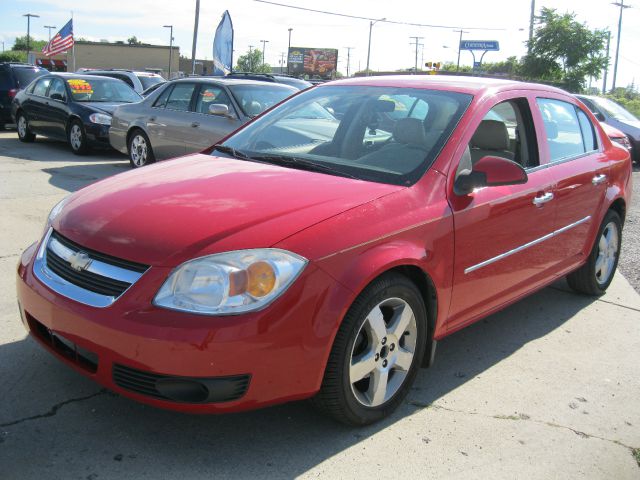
(140, 151)
(595, 276)
(24, 133)
(376, 354)
(78, 138)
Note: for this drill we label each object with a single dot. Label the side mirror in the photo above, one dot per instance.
(219, 109)
(599, 116)
(57, 96)
(490, 171)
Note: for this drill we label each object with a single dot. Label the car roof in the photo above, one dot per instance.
(81, 76)
(231, 81)
(93, 71)
(462, 84)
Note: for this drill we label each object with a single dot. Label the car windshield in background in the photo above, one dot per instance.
(382, 134)
(24, 75)
(149, 81)
(255, 99)
(613, 109)
(98, 89)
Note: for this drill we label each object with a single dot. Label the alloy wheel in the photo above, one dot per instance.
(383, 352)
(139, 151)
(22, 126)
(607, 253)
(75, 137)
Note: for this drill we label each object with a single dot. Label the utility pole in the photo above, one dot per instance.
(289, 49)
(264, 44)
(49, 27)
(281, 62)
(416, 42)
(250, 58)
(459, 44)
(371, 24)
(348, 58)
(170, 49)
(532, 19)
(615, 65)
(195, 39)
(29, 15)
(606, 67)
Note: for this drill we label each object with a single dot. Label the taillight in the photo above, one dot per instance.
(12, 92)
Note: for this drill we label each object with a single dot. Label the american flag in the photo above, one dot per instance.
(61, 42)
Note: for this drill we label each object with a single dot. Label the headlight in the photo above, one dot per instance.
(55, 211)
(230, 283)
(100, 118)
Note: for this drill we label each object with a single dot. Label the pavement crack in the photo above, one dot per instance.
(527, 418)
(54, 409)
(2, 257)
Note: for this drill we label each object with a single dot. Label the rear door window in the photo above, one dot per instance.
(41, 87)
(563, 129)
(180, 97)
(161, 101)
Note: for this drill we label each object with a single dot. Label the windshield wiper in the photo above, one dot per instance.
(302, 164)
(232, 151)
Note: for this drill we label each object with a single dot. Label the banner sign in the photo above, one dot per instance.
(487, 45)
(315, 62)
(223, 46)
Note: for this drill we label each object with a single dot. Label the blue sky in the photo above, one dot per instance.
(117, 20)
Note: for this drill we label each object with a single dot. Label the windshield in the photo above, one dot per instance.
(24, 75)
(97, 89)
(148, 81)
(382, 134)
(255, 99)
(613, 109)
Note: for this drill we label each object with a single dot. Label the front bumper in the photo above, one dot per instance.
(280, 352)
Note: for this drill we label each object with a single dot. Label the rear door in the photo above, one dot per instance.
(35, 105)
(207, 129)
(500, 232)
(580, 170)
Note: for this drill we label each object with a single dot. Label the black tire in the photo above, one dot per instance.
(590, 279)
(340, 399)
(24, 133)
(140, 150)
(77, 138)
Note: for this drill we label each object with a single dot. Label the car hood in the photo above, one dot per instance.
(167, 213)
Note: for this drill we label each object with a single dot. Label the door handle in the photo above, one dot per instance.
(195, 124)
(152, 119)
(598, 179)
(542, 199)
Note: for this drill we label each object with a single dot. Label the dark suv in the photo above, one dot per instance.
(14, 77)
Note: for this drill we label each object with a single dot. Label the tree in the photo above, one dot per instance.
(13, 56)
(133, 41)
(252, 62)
(21, 44)
(564, 50)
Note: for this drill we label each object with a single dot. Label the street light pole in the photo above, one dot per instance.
(264, 44)
(615, 64)
(532, 18)
(459, 44)
(29, 15)
(371, 24)
(49, 27)
(195, 39)
(170, 48)
(417, 44)
(606, 67)
(348, 58)
(250, 58)
(289, 49)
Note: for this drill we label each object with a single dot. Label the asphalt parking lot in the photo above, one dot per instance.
(548, 388)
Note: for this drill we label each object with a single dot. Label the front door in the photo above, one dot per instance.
(208, 129)
(500, 232)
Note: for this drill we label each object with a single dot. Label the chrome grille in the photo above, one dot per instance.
(84, 275)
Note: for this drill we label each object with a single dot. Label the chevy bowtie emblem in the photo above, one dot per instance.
(80, 261)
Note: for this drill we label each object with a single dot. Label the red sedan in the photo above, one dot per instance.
(323, 249)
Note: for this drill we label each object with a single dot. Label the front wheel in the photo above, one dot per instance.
(595, 276)
(78, 138)
(140, 151)
(376, 354)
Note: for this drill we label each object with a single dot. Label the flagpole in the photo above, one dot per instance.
(73, 47)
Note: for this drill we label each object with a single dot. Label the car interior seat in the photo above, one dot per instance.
(491, 138)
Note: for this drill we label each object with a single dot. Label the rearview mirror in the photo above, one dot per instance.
(490, 171)
(219, 109)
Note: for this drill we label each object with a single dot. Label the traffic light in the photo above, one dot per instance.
(434, 65)
(428, 64)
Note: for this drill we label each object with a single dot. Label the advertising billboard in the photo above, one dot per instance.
(314, 62)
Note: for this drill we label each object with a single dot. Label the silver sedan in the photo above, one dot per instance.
(189, 115)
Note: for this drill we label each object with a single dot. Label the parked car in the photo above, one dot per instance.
(139, 81)
(188, 115)
(617, 137)
(70, 107)
(298, 83)
(611, 113)
(286, 263)
(13, 78)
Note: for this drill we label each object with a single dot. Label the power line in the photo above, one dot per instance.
(372, 19)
